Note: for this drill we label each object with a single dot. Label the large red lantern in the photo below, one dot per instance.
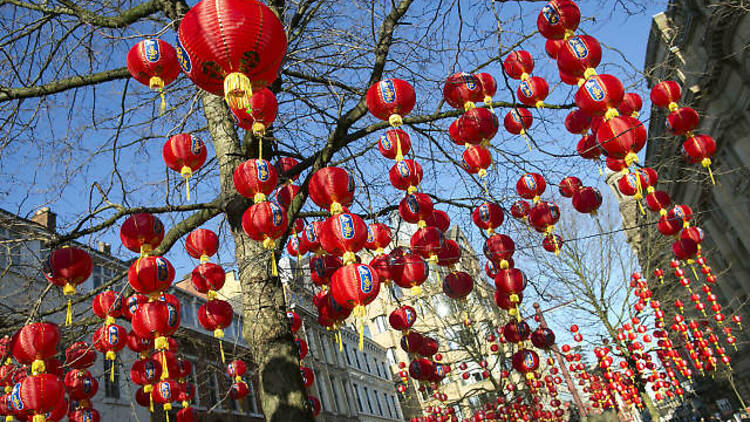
(621, 138)
(154, 320)
(578, 122)
(68, 267)
(510, 282)
(476, 160)
(406, 175)
(682, 121)
(331, 188)
(477, 126)
(231, 57)
(202, 244)
(531, 186)
(184, 154)
(558, 19)
(587, 200)
(499, 248)
(215, 315)
(390, 100)
(700, 149)
(322, 268)
(208, 278)
(394, 144)
(107, 305)
(344, 234)
(255, 179)
(518, 120)
(402, 318)
(414, 272)
(488, 216)
(154, 64)
(259, 114)
(462, 90)
(34, 343)
(666, 94)
(631, 105)
(354, 286)
(579, 56)
(41, 394)
(378, 237)
(151, 275)
(142, 233)
(533, 91)
(427, 243)
(518, 64)
(600, 95)
(543, 215)
(439, 219)
(79, 355)
(265, 222)
(569, 186)
(457, 285)
(416, 208)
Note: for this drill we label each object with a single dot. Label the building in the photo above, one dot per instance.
(351, 384)
(22, 250)
(702, 44)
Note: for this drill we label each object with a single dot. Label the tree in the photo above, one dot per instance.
(66, 98)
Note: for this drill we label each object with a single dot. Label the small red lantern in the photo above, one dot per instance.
(295, 322)
(390, 100)
(579, 55)
(543, 338)
(184, 154)
(631, 105)
(202, 244)
(510, 282)
(477, 126)
(476, 160)
(621, 138)
(154, 64)
(236, 369)
(378, 237)
(142, 233)
(331, 188)
(322, 268)
(215, 315)
(308, 376)
(151, 275)
(394, 144)
(402, 318)
(558, 19)
(525, 361)
(552, 243)
(110, 339)
(531, 186)
(79, 355)
(666, 94)
(518, 120)
(545, 214)
(427, 243)
(499, 248)
(165, 392)
(600, 95)
(259, 114)
(414, 272)
(518, 64)
(68, 267)
(255, 179)
(462, 90)
(405, 175)
(682, 121)
(439, 219)
(107, 305)
(416, 208)
(587, 200)
(265, 222)
(520, 209)
(588, 148)
(488, 216)
(569, 186)
(457, 285)
(208, 278)
(489, 87)
(700, 149)
(354, 286)
(533, 91)
(156, 319)
(578, 122)
(314, 405)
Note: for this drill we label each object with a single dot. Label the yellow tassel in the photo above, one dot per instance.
(274, 270)
(150, 402)
(340, 340)
(640, 207)
(69, 314)
(395, 120)
(38, 367)
(237, 90)
(694, 273)
(526, 138)
(164, 368)
(260, 148)
(360, 313)
(221, 350)
(163, 107)
(39, 418)
(112, 372)
(706, 162)
(166, 412)
(399, 151)
(187, 173)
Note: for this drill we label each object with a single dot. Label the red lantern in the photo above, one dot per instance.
(427, 243)
(184, 154)
(449, 254)
(402, 318)
(578, 122)
(202, 244)
(600, 95)
(621, 138)
(631, 105)
(657, 201)
(684, 249)
(331, 188)
(68, 267)
(477, 126)
(34, 343)
(488, 216)
(416, 208)
(405, 175)
(682, 121)
(545, 214)
(421, 369)
(558, 19)
(139, 344)
(314, 405)
(531, 186)
(295, 322)
(390, 100)
(587, 200)
(322, 268)
(255, 179)
(439, 219)
(259, 114)
(215, 315)
(79, 355)
(543, 338)
(285, 165)
(344, 234)
(520, 209)
(579, 56)
(588, 148)
(153, 63)
(145, 372)
(236, 369)
(88, 414)
(428, 347)
(699, 149)
(499, 248)
(462, 90)
(107, 305)
(110, 339)
(518, 64)
(265, 222)
(533, 91)
(141, 233)
(207, 278)
(569, 186)
(308, 376)
(414, 272)
(552, 243)
(504, 301)
(390, 142)
(151, 275)
(41, 394)
(552, 47)
(457, 285)
(156, 319)
(518, 120)
(489, 87)
(510, 282)
(165, 392)
(378, 237)
(476, 159)
(231, 60)
(666, 94)
(525, 361)
(355, 285)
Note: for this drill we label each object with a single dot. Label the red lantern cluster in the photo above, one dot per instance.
(533, 90)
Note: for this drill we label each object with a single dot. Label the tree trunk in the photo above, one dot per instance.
(266, 330)
(655, 417)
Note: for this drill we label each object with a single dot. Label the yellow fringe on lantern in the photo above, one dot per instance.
(706, 162)
(69, 314)
(187, 173)
(673, 106)
(221, 351)
(336, 208)
(469, 106)
(539, 104)
(258, 128)
(395, 120)
(39, 418)
(237, 90)
(204, 258)
(38, 367)
(150, 402)
(526, 138)
(339, 340)
(631, 158)
(589, 73)
(157, 83)
(416, 290)
(259, 197)
(611, 114)
(359, 313)
(164, 368)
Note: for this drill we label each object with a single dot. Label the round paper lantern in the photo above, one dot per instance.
(569, 186)
(489, 87)
(533, 91)
(387, 267)
(518, 64)
(378, 237)
(684, 249)
(184, 154)
(260, 112)
(89, 414)
(314, 405)
(427, 243)
(107, 305)
(79, 355)
(390, 100)
(402, 318)
(80, 385)
(454, 134)
(41, 394)
(509, 282)
(285, 165)
(699, 149)
(68, 267)
(600, 95)
(587, 200)
(668, 227)
(236, 369)
(110, 339)
(476, 160)
(132, 303)
(231, 57)
(390, 142)
(621, 138)
(552, 243)
(308, 376)
(666, 94)
(142, 233)
(255, 179)
(544, 214)
(153, 63)
(405, 175)
(579, 55)
(34, 343)
(414, 272)
(420, 369)
(208, 278)
(682, 121)
(202, 244)
(428, 347)
(578, 122)
(518, 120)
(215, 315)
(156, 319)
(439, 219)
(331, 188)
(355, 286)
(151, 275)
(457, 285)
(631, 105)
(285, 194)
(531, 186)
(488, 216)
(295, 322)
(499, 248)
(301, 347)
(477, 126)
(558, 19)
(462, 90)
(543, 338)
(165, 392)
(344, 234)
(265, 222)
(588, 148)
(504, 301)
(525, 361)
(416, 208)
(139, 344)
(520, 209)
(552, 47)
(322, 268)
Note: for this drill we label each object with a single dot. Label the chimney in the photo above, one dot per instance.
(104, 247)
(46, 218)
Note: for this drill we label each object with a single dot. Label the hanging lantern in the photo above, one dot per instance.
(428, 347)
(414, 272)
(215, 315)
(533, 91)
(255, 179)
(488, 216)
(231, 60)
(420, 369)
(552, 47)
(457, 285)
(390, 100)
(41, 394)
(477, 126)
(504, 301)
(700, 149)
(569, 186)
(558, 19)
(331, 188)
(139, 344)
(107, 305)
(154, 64)
(354, 286)
(621, 138)
(378, 237)
(684, 249)
(666, 94)
(156, 319)
(402, 318)
(543, 215)
(394, 144)
(587, 200)
(344, 235)
(518, 120)
(80, 385)
(79, 355)
(208, 278)
(165, 392)
(265, 222)
(518, 65)
(579, 55)
(427, 242)
(416, 208)
(600, 95)
(543, 338)
(449, 254)
(631, 105)
(531, 186)
(552, 243)
(68, 267)
(525, 361)
(462, 90)
(520, 209)
(439, 219)
(308, 376)
(285, 194)
(285, 165)
(34, 343)
(184, 154)
(322, 268)
(682, 121)
(516, 331)
(406, 175)
(510, 282)
(578, 122)
(202, 244)
(142, 233)
(588, 148)
(499, 248)
(314, 405)
(110, 339)
(132, 303)
(489, 87)
(151, 275)
(259, 114)
(476, 160)
(236, 369)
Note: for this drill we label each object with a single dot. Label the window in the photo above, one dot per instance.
(367, 399)
(386, 372)
(377, 401)
(336, 400)
(380, 324)
(97, 276)
(367, 363)
(322, 394)
(213, 387)
(367, 332)
(186, 312)
(252, 404)
(359, 398)
(346, 353)
(112, 388)
(391, 355)
(387, 405)
(356, 358)
(377, 367)
(396, 409)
